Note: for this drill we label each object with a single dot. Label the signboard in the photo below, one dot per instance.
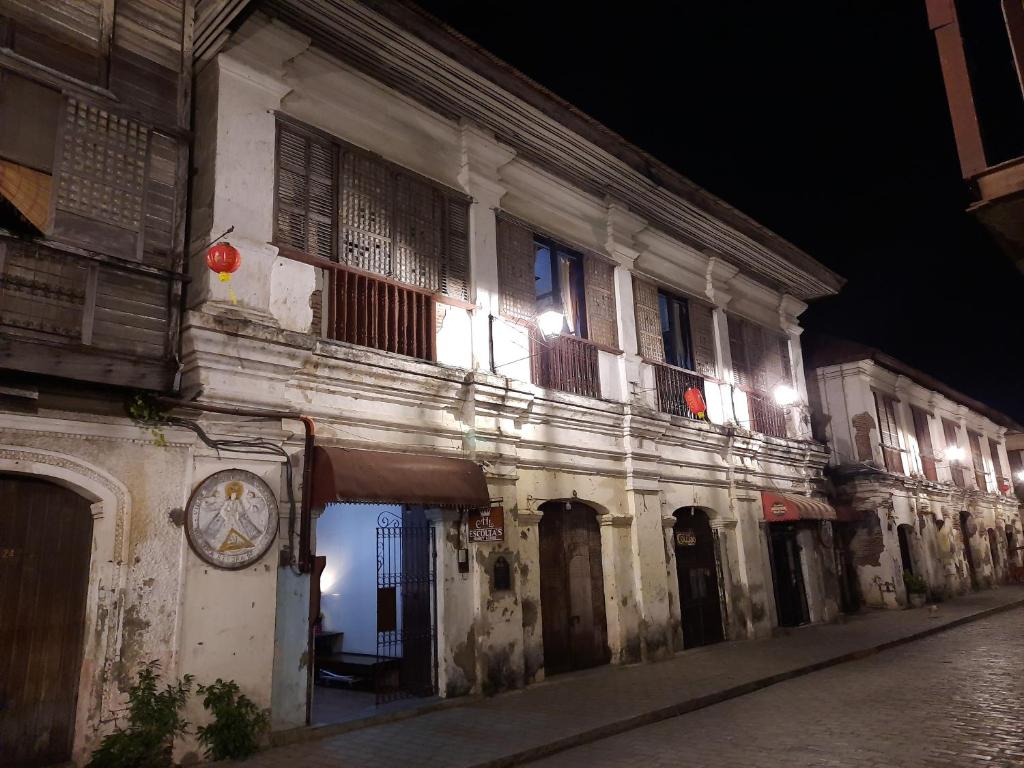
(487, 524)
(231, 519)
(778, 508)
(686, 539)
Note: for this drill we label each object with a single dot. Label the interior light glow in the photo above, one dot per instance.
(785, 395)
(550, 322)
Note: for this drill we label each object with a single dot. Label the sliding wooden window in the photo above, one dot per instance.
(999, 473)
(888, 431)
(956, 471)
(977, 460)
(760, 363)
(922, 430)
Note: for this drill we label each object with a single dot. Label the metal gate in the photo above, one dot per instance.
(406, 607)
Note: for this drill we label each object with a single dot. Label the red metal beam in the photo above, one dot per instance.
(943, 21)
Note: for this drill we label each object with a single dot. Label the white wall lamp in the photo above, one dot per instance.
(551, 323)
(785, 395)
(954, 454)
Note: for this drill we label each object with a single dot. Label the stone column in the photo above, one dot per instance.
(668, 523)
(482, 159)
(622, 226)
(622, 615)
(652, 585)
(735, 623)
(456, 644)
(529, 591)
(799, 413)
(718, 275)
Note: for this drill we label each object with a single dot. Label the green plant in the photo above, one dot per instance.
(915, 584)
(143, 409)
(237, 725)
(154, 719)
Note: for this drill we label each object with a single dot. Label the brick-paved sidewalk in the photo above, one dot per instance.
(575, 709)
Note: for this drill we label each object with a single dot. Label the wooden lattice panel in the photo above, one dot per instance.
(702, 331)
(103, 166)
(599, 281)
(648, 320)
(516, 272)
(41, 290)
(419, 228)
(364, 213)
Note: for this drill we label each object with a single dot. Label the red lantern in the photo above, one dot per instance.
(1004, 486)
(695, 402)
(224, 258)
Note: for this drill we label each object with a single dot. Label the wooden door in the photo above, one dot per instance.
(700, 605)
(572, 588)
(45, 545)
(787, 574)
(965, 536)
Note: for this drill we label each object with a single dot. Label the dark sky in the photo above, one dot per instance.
(827, 122)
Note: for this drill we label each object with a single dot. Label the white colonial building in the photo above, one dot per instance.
(521, 398)
(920, 473)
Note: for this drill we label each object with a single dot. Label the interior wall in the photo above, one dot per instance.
(346, 534)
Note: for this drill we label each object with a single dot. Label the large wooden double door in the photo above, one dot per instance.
(45, 545)
(572, 588)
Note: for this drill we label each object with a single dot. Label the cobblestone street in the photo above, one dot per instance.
(955, 699)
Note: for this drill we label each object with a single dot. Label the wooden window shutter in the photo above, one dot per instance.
(516, 272)
(997, 464)
(70, 36)
(702, 331)
(738, 346)
(924, 442)
(648, 321)
(599, 289)
(304, 194)
(977, 460)
(757, 356)
(419, 233)
(100, 180)
(955, 468)
(455, 264)
(885, 408)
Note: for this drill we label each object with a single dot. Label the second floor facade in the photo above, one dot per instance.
(879, 415)
(372, 222)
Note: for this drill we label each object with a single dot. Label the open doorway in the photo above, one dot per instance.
(787, 575)
(374, 630)
(700, 606)
(966, 525)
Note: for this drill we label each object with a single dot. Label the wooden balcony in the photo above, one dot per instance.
(68, 313)
(766, 417)
(672, 384)
(375, 312)
(566, 363)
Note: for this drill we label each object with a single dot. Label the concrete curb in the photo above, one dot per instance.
(700, 702)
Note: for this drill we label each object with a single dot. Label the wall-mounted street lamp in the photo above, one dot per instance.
(551, 323)
(1020, 477)
(954, 453)
(785, 395)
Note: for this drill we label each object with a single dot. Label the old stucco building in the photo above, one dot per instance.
(920, 472)
(405, 208)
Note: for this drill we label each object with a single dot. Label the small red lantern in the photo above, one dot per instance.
(1004, 486)
(695, 402)
(224, 258)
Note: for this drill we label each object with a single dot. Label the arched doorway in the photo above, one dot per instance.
(700, 606)
(45, 546)
(965, 536)
(993, 544)
(572, 588)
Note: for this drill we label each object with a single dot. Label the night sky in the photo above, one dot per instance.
(827, 122)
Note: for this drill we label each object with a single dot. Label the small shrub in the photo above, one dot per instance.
(154, 719)
(238, 723)
(915, 584)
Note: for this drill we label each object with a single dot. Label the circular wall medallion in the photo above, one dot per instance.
(231, 519)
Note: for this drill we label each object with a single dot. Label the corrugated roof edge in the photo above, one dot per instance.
(468, 53)
(821, 350)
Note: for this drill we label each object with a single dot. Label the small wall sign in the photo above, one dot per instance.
(231, 519)
(487, 524)
(778, 508)
(686, 539)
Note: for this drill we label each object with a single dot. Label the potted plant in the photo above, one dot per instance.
(917, 589)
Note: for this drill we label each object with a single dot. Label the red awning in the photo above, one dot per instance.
(379, 477)
(781, 507)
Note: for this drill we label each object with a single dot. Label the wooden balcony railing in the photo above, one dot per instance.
(672, 384)
(567, 364)
(86, 317)
(766, 417)
(379, 313)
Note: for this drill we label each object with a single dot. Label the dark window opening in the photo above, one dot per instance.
(675, 330)
(560, 285)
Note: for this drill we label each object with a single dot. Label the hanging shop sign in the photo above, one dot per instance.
(231, 519)
(778, 509)
(686, 539)
(487, 524)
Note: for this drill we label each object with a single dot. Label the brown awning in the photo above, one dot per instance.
(379, 477)
(781, 507)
